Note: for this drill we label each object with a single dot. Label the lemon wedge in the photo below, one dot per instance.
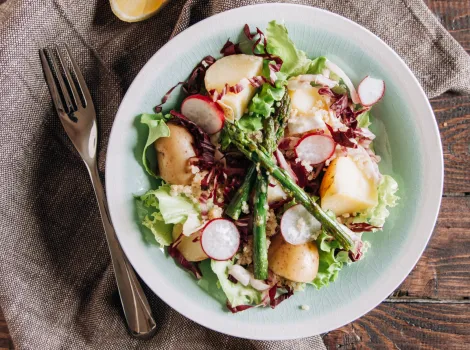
(135, 10)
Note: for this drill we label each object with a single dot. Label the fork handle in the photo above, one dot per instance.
(137, 311)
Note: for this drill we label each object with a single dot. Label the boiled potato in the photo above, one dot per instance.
(306, 98)
(346, 189)
(298, 263)
(173, 155)
(192, 251)
(231, 70)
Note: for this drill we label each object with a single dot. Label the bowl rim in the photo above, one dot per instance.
(292, 331)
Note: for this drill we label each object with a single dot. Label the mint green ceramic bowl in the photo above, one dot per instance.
(408, 142)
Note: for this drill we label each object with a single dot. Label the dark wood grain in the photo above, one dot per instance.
(453, 115)
(5, 341)
(406, 326)
(455, 16)
(443, 272)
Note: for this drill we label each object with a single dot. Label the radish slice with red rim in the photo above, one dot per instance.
(298, 226)
(370, 91)
(315, 148)
(204, 112)
(220, 239)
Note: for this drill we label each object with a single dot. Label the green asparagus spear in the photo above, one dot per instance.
(273, 131)
(252, 152)
(234, 208)
(260, 209)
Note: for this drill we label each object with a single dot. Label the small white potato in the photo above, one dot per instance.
(189, 246)
(173, 154)
(298, 263)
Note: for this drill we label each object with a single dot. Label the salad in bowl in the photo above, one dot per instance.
(265, 172)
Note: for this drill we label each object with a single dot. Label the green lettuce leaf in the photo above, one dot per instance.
(157, 129)
(237, 294)
(159, 211)
(330, 263)
(376, 216)
(317, 65)
(262, 103)
(363, 120)
(295, 61)
(149, 215)
(250, 122)
(173, 209)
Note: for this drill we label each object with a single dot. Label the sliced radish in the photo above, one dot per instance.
(340, 73)
(204, 113)
(220, 239)
(240, 274)
(258, 284)
(284, 165)
(298, 226)
(370, 90)
(315, 148)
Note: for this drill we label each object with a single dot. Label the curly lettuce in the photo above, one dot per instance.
(330, 262)
(295, 61)
(157, 128)
(387, 197)
(158, 211)
(237, 294)
(262, 104)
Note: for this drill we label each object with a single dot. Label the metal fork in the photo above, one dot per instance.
(76, 111)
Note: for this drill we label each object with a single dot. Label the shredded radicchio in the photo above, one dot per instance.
(203, 147)
(193, 84)
(244, 227)
(276, 301)
(274, 66)
(179, 258)
(362, 227)
(358, 255)
(238, 308)
(343, 137)
(230, 49)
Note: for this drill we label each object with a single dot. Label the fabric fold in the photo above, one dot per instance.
(57, 288)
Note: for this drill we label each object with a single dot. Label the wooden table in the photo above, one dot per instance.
(431, 309)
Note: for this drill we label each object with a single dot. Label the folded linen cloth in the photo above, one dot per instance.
(57, 289)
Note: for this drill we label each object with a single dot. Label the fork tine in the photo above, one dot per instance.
(79, 76)
(51, 83)
(69, 79)
(68, 102)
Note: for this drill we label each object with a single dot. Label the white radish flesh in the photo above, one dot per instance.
(370, 91)
(204, 113)
(340, 73)
(298, 226)
(284, 165)
(258, 284)
(240, 274)
(315, 148)
(220, 239)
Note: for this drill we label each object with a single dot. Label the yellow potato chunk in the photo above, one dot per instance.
(345, 188)
(306, 98)
(173, 154)
(189, 246)
(298, 263)
(231, 70)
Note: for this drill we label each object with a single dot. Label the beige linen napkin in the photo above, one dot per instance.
(57, 289)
